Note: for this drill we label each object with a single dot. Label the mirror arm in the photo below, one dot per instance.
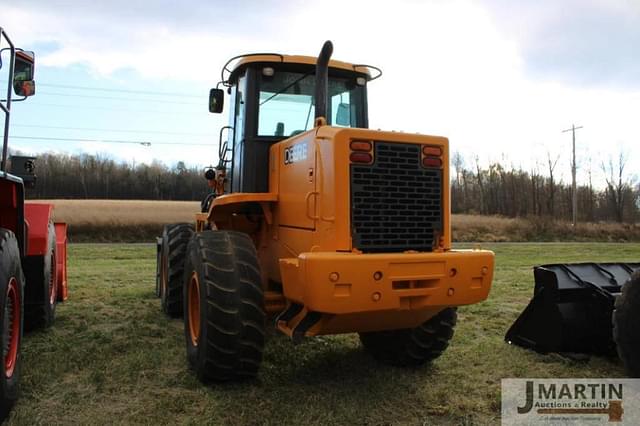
(14, 99)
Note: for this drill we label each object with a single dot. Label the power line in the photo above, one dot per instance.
(106, 89)
(92, 129)
(114, 109)
(144, 143)
(73, 95)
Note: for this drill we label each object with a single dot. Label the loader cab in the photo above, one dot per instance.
(271, 98)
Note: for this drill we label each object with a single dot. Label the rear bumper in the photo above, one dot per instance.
(348, 283)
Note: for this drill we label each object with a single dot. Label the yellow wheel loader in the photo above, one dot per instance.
(316, 224)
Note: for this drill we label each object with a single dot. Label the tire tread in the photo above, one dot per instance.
(412, 347)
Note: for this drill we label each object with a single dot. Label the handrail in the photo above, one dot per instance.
(225, 80)
(6, 107)
(369, 67)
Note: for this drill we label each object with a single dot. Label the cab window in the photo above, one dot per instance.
(286, 103)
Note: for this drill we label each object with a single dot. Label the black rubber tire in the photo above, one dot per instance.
(10, 267)
(412, 347)
(232, 318)
(626, 318)
(41, 313)
(158, 268)
(175, 238)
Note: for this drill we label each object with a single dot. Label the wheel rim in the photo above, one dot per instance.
(11, 330)
(52, 280)
(193, 295)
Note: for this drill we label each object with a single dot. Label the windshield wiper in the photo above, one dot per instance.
(284, 89)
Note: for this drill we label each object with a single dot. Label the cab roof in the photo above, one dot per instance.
(237, 63)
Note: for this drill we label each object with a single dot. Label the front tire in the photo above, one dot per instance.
(626, 318)
(11, 322)
(412, 347)
(224, 307)
(175, 238)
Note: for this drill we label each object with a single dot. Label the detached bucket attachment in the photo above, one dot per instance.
(571, 308)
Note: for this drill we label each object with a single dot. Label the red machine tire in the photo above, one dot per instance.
(42, 314)
(415, 346)
(11, 306)
(626, 318)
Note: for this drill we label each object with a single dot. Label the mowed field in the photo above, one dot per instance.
(122, 212)
(114, 358)
(120, 220)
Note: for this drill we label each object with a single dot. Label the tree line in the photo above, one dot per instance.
(514, 192)
(476, 189)
(100, 177)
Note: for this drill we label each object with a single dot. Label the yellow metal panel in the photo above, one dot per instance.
(297, 181)
(391, 281)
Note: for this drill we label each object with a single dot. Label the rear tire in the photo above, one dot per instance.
(11, 323)
(40, 311)
(224, 307)
(626, 318)
(412, 347)
(175, 239)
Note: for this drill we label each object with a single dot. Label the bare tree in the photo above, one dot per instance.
(480, 184)
(552, 188)
(618, 185)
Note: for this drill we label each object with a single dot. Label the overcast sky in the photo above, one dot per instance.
(500, 78)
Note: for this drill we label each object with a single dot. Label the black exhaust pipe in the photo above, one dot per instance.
(322, 79)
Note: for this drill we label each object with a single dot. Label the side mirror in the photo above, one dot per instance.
(23, 71)
(216, 100)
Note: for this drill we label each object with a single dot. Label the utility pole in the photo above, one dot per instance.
(573, 173)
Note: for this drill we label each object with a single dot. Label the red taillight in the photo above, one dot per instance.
(434, 151)
(432, 156)
(361, 157)
(360, 146)
(432, 162)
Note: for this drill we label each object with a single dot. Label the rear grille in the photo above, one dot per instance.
(396, 204)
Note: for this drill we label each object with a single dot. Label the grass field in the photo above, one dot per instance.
(142, 220)
(113, 358)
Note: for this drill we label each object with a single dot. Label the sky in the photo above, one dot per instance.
(501, 79)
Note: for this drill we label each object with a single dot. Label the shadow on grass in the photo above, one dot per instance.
(329, 380)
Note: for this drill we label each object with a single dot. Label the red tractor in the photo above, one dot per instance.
(33, 258)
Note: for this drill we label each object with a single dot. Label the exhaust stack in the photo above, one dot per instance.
(322, 80)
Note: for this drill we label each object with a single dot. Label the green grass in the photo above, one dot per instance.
(112, 357)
